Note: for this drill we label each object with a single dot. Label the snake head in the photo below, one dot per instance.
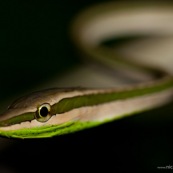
(39, 114)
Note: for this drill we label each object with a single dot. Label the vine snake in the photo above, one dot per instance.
(59, 111)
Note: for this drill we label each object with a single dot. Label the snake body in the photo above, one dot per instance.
(58, 111)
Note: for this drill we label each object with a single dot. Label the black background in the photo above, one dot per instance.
(34, 45)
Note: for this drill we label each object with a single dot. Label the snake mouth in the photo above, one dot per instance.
(50, 130)
(38, 132)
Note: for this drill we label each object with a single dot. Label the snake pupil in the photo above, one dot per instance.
(44, 111)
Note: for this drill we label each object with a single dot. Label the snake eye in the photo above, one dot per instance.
(43, 112)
